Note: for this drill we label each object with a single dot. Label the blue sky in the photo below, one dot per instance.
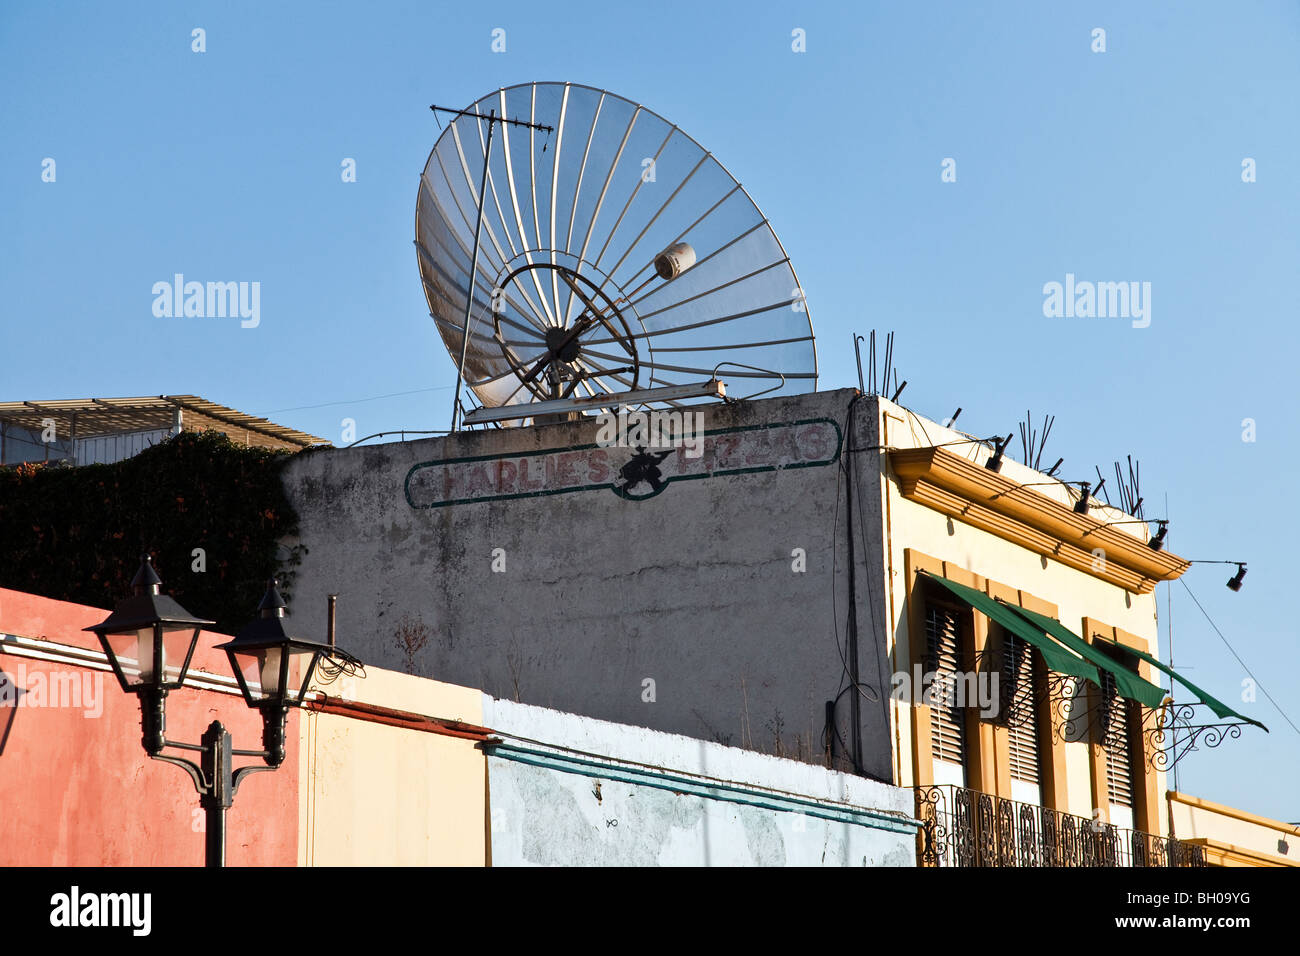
(1116, 166)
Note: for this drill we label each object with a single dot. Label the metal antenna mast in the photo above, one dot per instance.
(492, 119)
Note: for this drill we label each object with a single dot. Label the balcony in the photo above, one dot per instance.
(961, 827)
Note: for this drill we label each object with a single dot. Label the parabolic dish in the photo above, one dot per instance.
(573, 223)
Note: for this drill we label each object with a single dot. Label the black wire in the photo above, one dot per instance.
(1238, 657)
(831, 724)
(358, 401)
(865, 691)
(879, 636)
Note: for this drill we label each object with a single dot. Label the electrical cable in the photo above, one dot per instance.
(1238, 657)
(832, 725)
(358, 401)
(879, 635)
(847, 680)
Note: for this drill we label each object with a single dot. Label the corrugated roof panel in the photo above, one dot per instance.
(105, 416)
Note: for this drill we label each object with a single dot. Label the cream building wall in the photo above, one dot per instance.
(1234, 837)
(1076, 594)
(373, 794)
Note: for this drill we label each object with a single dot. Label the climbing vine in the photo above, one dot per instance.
(211, 513)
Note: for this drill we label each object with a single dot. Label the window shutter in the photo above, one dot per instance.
(1119, 770)
(1018, 707)
(943, 659)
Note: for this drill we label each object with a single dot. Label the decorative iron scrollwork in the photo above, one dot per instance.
(1029, 845)
(1069, 706)
(933, 835)
(1175, 730)
(964, 828)
(964, 819)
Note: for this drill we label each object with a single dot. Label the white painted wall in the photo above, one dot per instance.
(542, 816)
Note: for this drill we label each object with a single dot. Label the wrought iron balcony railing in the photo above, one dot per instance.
(963, 827)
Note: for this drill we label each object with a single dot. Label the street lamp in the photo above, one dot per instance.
(149, 640)
(274, 668)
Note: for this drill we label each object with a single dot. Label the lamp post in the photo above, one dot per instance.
(149, 640)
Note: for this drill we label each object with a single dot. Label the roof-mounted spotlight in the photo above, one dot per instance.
(1157, 542)
(1081, 506)
(999, 446)
(1234, 582)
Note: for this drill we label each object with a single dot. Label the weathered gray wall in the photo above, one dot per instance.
(692, 588)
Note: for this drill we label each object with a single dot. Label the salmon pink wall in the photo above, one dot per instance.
(76, 787)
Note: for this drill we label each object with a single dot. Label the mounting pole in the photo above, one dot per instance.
(473, 275)
(492, 119)
(857, 350)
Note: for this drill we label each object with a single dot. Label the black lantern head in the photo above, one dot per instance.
(1234, 582)
(149, 639)
(273, 668)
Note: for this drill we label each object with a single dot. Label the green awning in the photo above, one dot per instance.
(1055, 656)
(1129, 683)
(1221, 710)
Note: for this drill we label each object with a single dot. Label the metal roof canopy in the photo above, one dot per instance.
(96, 417)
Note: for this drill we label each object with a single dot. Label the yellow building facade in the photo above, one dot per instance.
(1023, 764)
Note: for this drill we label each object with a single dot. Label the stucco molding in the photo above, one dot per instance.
(54, 652)
(959, 488)
(392, 717)
(682, 782)
(1218, 853)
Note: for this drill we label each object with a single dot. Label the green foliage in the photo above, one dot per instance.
(76, 534)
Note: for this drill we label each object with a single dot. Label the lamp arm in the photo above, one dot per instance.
(199, 748)
(216, 781)
(242, 772)
(201, 784)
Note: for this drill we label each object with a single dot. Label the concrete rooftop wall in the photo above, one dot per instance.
(521, 561)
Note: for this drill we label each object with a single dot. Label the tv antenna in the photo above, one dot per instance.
(492, 120)
(623, 265)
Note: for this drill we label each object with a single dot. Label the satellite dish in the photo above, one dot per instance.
(615, 256)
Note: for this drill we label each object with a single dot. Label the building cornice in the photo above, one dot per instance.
(978, 496)
(1200, 803)
(1218, 853)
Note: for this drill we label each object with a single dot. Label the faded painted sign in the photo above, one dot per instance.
(631, 473)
